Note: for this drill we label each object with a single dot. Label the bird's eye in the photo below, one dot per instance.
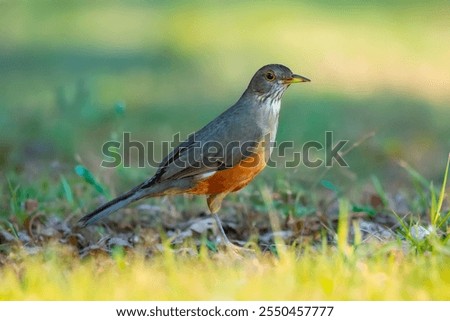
(269, 76)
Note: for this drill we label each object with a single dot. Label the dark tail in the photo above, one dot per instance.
(112, 206)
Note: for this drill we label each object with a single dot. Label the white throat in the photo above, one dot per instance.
(271, 106)
(272, 111)
(274, 106)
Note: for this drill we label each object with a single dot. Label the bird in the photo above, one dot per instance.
(223, 156)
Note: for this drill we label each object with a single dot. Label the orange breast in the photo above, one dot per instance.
(232, 179)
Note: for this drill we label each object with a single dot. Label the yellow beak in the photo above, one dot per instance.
(295, 79)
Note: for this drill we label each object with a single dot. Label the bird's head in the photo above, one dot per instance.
(272, 80)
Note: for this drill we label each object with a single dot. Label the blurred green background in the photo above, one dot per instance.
(75, 74)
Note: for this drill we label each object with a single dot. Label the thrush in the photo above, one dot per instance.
(222, 157)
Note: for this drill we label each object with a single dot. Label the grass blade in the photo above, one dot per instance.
(90, 179)
(67, 190)
(414, 174)
(343, 227)
(437, 214)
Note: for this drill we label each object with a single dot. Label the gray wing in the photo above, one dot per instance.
(219, 145)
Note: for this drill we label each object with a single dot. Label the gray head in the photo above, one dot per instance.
(271, 81)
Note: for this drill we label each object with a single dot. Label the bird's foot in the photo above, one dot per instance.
(236, 250)
(230, 247)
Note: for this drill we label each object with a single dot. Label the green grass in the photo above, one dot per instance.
(368, 272)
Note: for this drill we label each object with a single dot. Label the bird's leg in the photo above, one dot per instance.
(214, 202)
(233, 249)
(222, 232)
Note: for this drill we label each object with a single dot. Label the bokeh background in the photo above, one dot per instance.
(75, 74)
